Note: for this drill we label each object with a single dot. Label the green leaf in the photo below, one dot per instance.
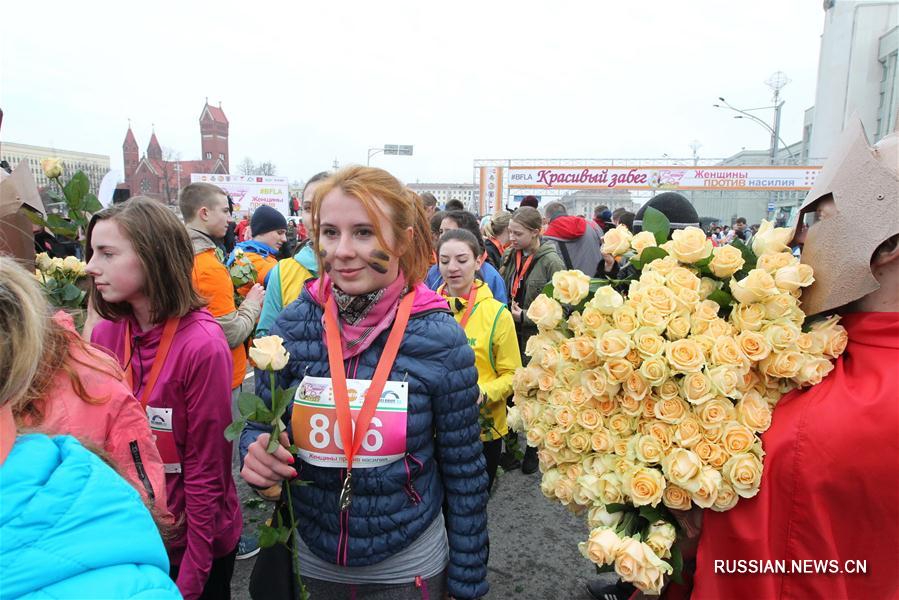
(722, 298)
(248, 402)
(91, 204)
(76, 189)
(60, 226)
(268, 536)
(650, 514)
(616, 507)
(704, 262)
(56, 195)
(548, 289)
(36, 218)
(655, 221)
(70, 293)
(677, 565)
(284, 535)
(748, 255)
(595, 284)
(232, 432)
(274, 440)
(652, 253)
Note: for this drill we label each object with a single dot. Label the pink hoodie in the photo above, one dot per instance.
(192, 398)
(113, 420)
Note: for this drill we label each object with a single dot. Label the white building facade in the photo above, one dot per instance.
(95, 166)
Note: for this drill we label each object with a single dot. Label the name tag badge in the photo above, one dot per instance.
(161, 426)
(317, 433)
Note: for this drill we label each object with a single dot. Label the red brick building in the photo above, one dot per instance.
(159, 177)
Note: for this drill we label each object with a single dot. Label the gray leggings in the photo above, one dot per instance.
(430, 589)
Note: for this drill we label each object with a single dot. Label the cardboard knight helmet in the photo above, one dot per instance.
(864, 184)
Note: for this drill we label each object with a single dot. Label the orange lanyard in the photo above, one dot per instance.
(472, 295)
(372, 395)
(520, 272)
(168, 334)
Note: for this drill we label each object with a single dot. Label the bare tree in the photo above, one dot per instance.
(171, 173)
(246, 167)
(266, 168)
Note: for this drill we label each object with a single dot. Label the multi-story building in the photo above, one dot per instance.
(95, 166)
(583, 202)
(467, 193)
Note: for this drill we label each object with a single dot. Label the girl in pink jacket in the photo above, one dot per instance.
(79, 391)
(178, 365)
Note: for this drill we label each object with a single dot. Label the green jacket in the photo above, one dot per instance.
(546, 262)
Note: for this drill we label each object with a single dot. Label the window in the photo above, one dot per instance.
(144, 186)
(208, 156)
(221, 156)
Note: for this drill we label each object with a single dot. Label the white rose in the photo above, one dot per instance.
(268, 353)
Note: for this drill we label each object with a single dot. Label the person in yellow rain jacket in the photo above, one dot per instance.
(490, 331)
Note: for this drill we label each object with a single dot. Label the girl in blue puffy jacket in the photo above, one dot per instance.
(385, 417)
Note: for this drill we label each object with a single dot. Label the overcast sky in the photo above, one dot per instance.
(303, 83)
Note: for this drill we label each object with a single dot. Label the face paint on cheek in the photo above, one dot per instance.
(379, 260)
(326, 264)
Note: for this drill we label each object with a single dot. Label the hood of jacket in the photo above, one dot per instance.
(566, 227)
(306, 257)
(58, 500)
(201, 242)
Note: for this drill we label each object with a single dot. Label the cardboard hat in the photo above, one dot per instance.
(17, 190)
(864, 184)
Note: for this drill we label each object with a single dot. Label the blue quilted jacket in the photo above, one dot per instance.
(70, 527)
(394, 504)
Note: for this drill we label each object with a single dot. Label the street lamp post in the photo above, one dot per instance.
(391, 149)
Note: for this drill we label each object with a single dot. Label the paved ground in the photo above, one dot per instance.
(533, 543)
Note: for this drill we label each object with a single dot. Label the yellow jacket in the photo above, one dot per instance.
(491, 334)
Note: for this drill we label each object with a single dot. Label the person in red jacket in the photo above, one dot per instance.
(825, 523)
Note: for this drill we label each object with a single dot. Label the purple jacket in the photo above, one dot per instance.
(195, 384)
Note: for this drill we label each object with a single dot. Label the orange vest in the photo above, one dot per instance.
(263, 266)
(212, 281)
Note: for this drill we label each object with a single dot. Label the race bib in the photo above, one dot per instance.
(161, 426)
(318, 436)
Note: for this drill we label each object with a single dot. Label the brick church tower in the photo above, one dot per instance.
(214, 134)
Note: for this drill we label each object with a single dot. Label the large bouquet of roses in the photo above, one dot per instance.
(653, 400)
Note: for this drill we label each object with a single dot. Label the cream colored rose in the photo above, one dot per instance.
(782, 306)
(770, 239)
(570, 287)
(610, 488)
(630, 559)
(545, 312)
(678, 327)
(753, 345)
(726, 351)
(583, 349)
(833, 336)
(707, 286)
(688, 432)
(744, 473)
(737, 438)
(578, 396)
(643, 240)
(707, 492)
(781, 336)
(754, 412)
(618, 370)
(682, 467)
(726, 260)
(715, 412)
(661, 537)
(598, 516)
(689, 245)
(782, 364)
(554, 439)
(813, 370)
(676, 498)
(696, 388)
(671, 410)
(648, 342)
(778, 260)
(616, 241)
(794, 277)
(601, 440)
(601, 547)
(644, 486)
(668, 389)
(589, 419)
(57, 265)
(755, 287)
(660, 298)
(727, 498)
(536, 434)
(684, 356)
(652, 580)
(613, 344)
(625, 319)
(606, 300)
(620, 424)
(748, 317)
(654, 370)
(595, 381)
(648, 449)
(579, 442)
(565, 418)
(659, 430)
(594, 321)
(52, 167)
(635, 387)
(43, 261)
(548, 482)
(268, 353)
(718, 328)
(725, 379)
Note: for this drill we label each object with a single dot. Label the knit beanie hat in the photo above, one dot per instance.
(265, 219)
(675, 206)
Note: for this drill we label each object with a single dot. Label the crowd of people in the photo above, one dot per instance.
(380, 286)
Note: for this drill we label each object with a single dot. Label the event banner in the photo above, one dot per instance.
(491, 190)
(251, 191)
(664, 178)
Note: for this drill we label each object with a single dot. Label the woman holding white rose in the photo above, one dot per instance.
(370, 519)
(528, 265)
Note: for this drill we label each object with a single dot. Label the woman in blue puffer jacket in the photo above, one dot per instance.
(408, 519)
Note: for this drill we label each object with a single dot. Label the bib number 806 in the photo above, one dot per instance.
(320, 435)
